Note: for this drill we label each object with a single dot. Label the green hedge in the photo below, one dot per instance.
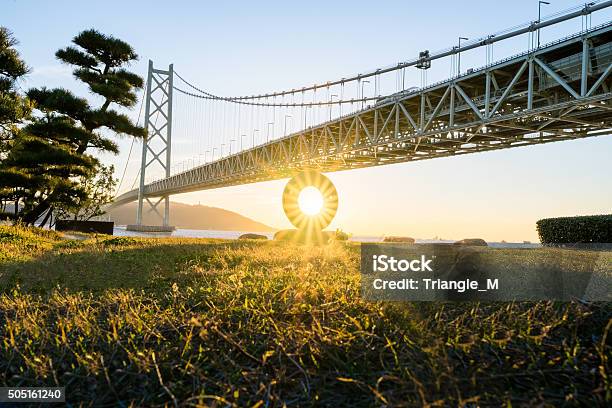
(571, 230)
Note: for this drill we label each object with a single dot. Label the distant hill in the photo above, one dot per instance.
(191, 217)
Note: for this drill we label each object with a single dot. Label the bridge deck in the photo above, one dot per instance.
(559, 92)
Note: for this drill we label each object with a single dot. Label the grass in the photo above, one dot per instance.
(142, 322)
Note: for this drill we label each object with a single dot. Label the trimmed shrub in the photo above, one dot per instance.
(340, 235)
(472, 242)
(405, 240)
(252, 236)
(571, 230)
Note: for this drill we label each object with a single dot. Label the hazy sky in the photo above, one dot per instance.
(254, 47)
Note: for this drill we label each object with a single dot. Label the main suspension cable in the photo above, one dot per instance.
(207, 95)
(127, 162)
(527, 27)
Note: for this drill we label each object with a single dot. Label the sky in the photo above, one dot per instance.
(245, 47)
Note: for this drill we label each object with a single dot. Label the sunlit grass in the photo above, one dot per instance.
(223, 323)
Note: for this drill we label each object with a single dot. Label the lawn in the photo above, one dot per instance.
(179, 322)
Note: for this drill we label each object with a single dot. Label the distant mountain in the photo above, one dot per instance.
(191, 217)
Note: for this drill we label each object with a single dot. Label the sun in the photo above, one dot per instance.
(310, 200)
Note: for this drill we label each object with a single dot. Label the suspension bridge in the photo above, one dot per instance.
(551, 92)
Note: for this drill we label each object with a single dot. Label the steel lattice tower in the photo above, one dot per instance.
(157, 143)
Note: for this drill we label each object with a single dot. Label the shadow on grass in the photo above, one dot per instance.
(113, 263)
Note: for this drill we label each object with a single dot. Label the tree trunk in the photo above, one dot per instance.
(44, 221)
(32, 216)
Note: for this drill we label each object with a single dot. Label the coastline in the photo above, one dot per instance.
(193, 233)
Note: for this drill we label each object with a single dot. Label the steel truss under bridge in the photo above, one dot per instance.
(559, 92)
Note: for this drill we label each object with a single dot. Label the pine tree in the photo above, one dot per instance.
(45, 163)
(42, 164)
(100, 62)
(13, 108)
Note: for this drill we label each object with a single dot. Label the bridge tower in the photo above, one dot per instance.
(156, 146)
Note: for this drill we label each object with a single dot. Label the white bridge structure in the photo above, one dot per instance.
(552, 92)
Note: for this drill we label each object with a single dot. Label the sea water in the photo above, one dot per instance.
(192, 233)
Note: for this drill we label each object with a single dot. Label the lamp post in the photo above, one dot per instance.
(287, 116)
(206, 152)
(306, 114)
(230, 146)
(539, 17)
(241, 136)
(213, 153)
(331, 97)
(459, 55)
(362, 95)
(268, 132)
(222, 144)
(253, 142)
